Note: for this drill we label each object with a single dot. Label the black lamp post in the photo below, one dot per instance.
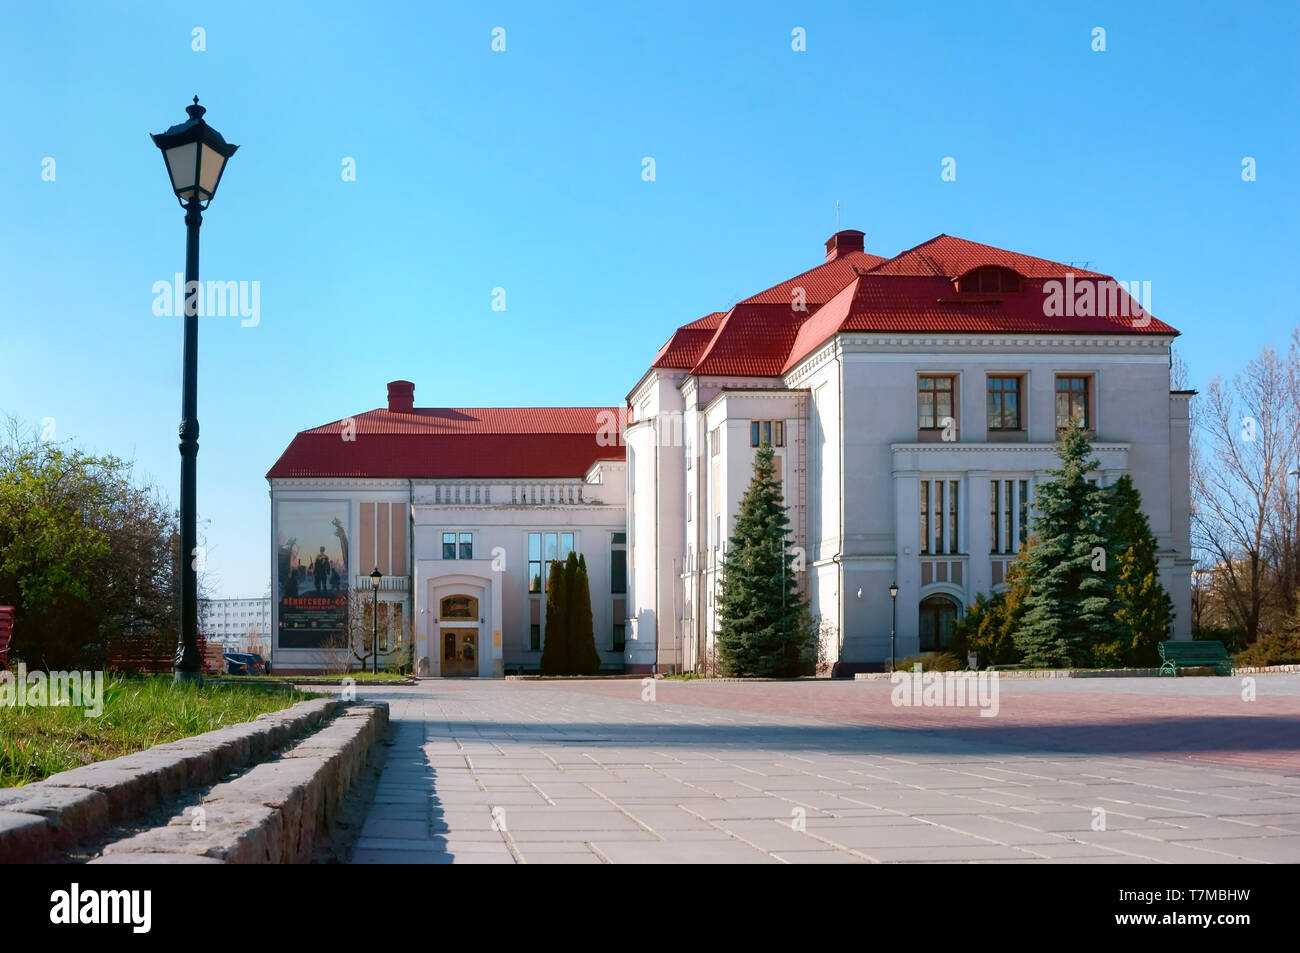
(893, 628)
(374, 639)
(196, 156)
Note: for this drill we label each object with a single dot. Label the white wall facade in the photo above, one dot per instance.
(854, 466)
(498, 516)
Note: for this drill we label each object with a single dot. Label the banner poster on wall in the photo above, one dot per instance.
(311, 573)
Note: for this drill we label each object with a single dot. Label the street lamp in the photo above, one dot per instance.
(195, 155)
(893, 628)
(374, 639)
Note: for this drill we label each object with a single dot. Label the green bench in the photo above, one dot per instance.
(1194, 654)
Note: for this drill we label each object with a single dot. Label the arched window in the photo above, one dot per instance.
(938, 617)
(459, 607)
(989, 280)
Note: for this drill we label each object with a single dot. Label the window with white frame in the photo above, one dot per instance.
(770, 432)
(457, 545)
(936, 407)
(940, 517)
(1009, 502)
(544, 549)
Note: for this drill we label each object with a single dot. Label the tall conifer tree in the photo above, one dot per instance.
(759, 606)
(582, 638)
(555, 650)
(1142, 606)
(1070, 603)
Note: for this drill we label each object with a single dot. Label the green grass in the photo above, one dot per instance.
(138, 713)
(327, 679)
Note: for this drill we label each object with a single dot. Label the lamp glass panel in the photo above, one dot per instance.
(180, 162)
(210, 170)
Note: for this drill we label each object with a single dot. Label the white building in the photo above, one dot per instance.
(243, 624)
(913, 404)
(462, 510)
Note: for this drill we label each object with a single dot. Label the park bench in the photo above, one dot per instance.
(1193, 654)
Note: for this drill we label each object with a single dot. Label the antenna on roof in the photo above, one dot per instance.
(1079, 264)
(837, 215)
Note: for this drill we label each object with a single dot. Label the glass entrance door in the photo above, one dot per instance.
(459, 651)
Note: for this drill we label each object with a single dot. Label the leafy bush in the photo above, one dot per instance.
(988, 627)
(1234, 640)
(932, 662)
(1279, 648)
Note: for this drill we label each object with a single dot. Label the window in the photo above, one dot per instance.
(620, 636)
(1008, 515)
(458, 607)
(544, 549)
(715, 442)
(1004, 403)
(1072, 403)
(934, 402)
(770, 432)
(534, 637)
(534, 562)
(1024, 511)
(989, 281)
(940, 516)
(450, 542)
(925, 516)
(618, 571)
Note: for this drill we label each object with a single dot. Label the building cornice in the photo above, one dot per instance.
(942, 446)
(857, 343)
(767, 393)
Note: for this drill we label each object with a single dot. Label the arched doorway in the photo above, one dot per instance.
(938, 618)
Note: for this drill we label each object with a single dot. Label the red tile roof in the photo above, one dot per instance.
(913, 292)
(820, 284)
(688, 342)
(927, 305)
(455, 442)
(952, 257)
(752, 341)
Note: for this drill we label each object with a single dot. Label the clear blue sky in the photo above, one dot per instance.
(522, 170)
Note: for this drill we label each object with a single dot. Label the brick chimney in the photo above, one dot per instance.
(843, 242)
(401, 397)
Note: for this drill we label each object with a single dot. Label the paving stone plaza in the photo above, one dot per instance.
(1096, 771)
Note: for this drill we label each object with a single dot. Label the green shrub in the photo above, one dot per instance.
(988, 626)
(932, 662)
(1279, 648)
(1234, 640)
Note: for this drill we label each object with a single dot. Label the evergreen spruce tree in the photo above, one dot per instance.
(570, 584)
(759, 605)
(1070, 604)
(555, 650)
(582, 638)
(1142, 606)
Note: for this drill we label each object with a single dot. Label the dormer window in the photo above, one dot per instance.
(989, 280)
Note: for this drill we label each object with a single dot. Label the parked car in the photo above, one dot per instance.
(238, 663)
(263, 665)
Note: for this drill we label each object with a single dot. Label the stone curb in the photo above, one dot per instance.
(37, 820)
(1091, 672)
(275, 812)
